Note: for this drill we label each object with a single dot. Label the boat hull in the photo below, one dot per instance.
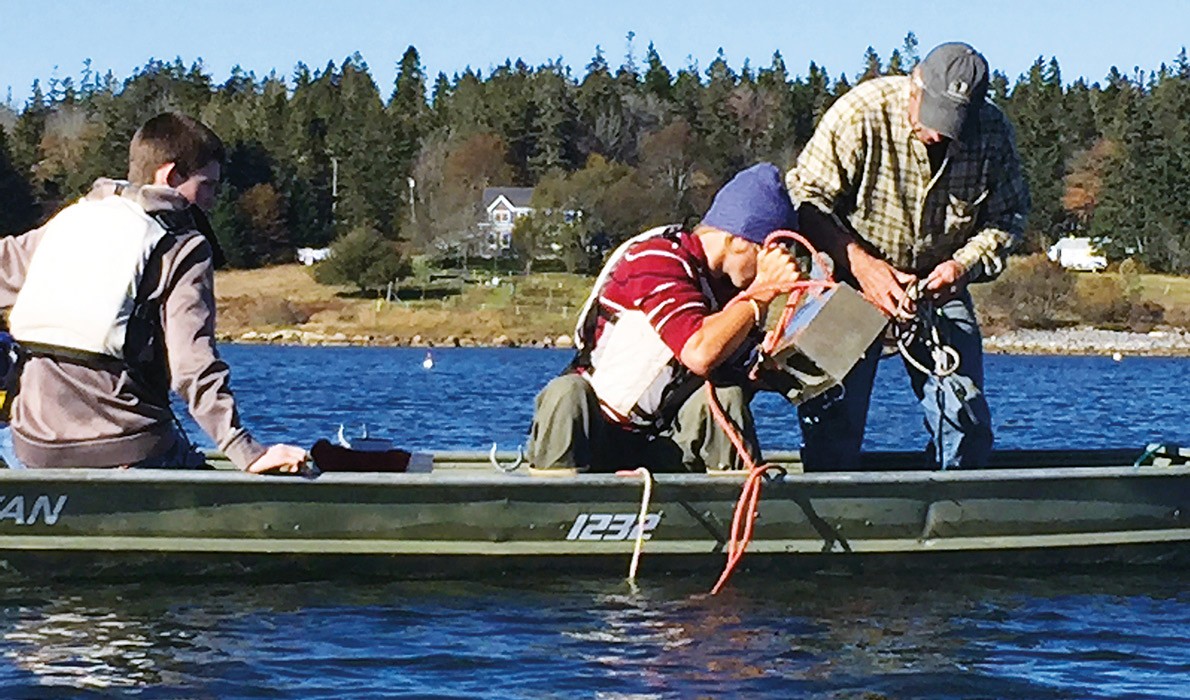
(465, 519)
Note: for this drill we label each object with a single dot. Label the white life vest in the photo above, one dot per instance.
(81, 286)
(630, 368)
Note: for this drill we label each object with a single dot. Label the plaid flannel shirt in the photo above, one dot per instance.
(865, 164)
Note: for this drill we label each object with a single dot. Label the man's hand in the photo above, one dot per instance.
(282, 459)
(883, 285)
(946, 281)
(776, 271)
(723, 332)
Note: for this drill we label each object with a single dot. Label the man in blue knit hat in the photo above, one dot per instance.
(671, 310)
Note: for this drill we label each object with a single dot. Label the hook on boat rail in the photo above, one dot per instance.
(507, 468)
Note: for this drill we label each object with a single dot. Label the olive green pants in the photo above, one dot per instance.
(570, 431)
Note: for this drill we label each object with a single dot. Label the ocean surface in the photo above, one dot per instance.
(1108, 635)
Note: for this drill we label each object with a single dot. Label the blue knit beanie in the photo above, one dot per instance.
(752, 205)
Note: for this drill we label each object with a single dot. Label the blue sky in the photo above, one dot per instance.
(1087, 37)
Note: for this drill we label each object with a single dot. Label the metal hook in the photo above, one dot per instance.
(507, 469)
(779, 476)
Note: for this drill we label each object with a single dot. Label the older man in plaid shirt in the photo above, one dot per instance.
(913, 185)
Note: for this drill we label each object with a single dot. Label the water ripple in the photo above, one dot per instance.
(476, 396)
(936, 636)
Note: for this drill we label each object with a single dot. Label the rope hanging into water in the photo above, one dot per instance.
(645, 498)
(748, 505)
(912, 317)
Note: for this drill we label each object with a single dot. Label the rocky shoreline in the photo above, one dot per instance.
(1090, 341)
(293, 336)
(1065, 341)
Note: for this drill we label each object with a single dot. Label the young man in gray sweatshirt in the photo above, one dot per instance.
(77, 406)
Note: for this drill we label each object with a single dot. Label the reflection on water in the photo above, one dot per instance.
(74, 642)
(947, 637)
(868, 636)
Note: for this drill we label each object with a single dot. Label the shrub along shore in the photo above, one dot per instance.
(1031, 309)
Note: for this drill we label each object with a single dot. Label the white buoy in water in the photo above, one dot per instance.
(1117, 356)
(428, 363)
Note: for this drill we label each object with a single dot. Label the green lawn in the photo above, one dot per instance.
(523, 308)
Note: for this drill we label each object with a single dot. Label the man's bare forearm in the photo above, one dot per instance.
(720, 335)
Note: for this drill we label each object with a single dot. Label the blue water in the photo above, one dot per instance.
(1110, 635)
(474, 397)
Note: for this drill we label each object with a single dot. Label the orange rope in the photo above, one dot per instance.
(748, 505)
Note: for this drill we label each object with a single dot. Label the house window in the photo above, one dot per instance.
(501, 217)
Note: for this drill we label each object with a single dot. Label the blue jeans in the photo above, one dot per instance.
(7, 454)
(956, 411)
(182, 455)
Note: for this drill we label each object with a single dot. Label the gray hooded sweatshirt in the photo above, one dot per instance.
(70, 415)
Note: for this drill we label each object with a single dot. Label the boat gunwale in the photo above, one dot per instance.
(466, 477)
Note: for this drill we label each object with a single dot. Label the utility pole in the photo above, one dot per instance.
(412, 208)
(334, 185)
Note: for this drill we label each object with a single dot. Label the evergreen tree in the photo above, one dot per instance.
(628, 76)
(408, 111)
(466, 103)
(628, 147)
(1078, 117)
(1166, 161)
(1045, 149)
(310, 200)
(555, 122)
(231, 231)
(780, 137)
(818, 85)
(873, 68)
(718, 126)
(842, 85)
(440, 101)
(998, 88)
(358, 138)
(18, 208)
(747, 75)
(658, 80)
(686, 95)
(909, 52)
(26, 135)
(601, 116)
(511, 112)
(1119, 222)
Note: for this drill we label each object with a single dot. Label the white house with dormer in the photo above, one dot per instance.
(503, 206)
(1077, 253)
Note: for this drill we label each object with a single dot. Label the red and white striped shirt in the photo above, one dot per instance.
(667, 278)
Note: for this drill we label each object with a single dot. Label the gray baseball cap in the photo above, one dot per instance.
(954, 80)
